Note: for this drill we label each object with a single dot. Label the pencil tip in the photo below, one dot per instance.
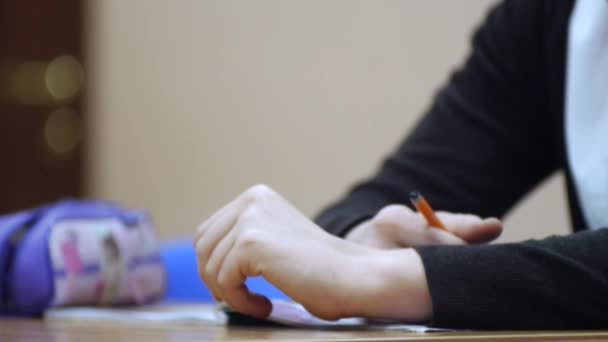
(414, 195)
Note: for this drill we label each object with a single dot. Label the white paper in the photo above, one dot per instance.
(286, 313)
(158, 313)
(295, 315)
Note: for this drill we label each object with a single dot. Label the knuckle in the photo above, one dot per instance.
(391, 209)
(208, 271)
(223, 281)
(202, 274)
(258, 192)
(391, 217)
(384, 227)
(472, 220)
(434, 238)
(251, 213)
(247, 239)
(201, 228)
(392, 213)
(200, 250)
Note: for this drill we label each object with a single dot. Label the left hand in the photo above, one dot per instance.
(397, 226)
(261, 234)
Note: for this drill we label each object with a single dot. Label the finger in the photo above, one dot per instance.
(215, 293)
(203, 228)
(437, 236)
(238, 203)
(472, 228)
(218, 226)
(231, 281)
(212, 231)
(399, 224)
(216, 259)
(216, 231)
(398, 215)
(256, 193)
(488, 230)
(249, 303)
(201, 267)
(208, 242)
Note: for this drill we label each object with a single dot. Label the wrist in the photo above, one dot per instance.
(390, 284)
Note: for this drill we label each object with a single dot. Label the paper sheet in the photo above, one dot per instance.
(294, 315)
(284, 313)
(157, 313)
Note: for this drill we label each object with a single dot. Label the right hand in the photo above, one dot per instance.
(397, 226)
(261, 234)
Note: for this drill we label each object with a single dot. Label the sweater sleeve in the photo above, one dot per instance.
(484, 143)
(555, 283)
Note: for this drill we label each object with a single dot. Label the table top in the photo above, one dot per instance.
(59, 331)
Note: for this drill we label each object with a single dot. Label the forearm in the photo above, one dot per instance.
(555, 283)
(484, 142)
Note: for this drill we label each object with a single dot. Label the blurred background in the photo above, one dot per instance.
(178, 106)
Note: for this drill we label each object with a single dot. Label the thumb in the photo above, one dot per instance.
(472, 228)
(249, 303)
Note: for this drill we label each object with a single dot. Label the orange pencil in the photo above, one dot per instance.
(426, 210)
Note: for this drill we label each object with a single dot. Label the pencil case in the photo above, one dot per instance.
(77, 253)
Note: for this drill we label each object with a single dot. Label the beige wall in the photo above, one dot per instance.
(193, 101)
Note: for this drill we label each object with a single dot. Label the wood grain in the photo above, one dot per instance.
(59, 331)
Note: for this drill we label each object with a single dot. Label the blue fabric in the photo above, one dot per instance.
(9, 225)
(183, 282)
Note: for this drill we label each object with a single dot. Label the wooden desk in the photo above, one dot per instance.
(12, 330)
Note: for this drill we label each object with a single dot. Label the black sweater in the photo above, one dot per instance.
(493, 133)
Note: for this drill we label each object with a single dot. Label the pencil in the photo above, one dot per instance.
(426, 210)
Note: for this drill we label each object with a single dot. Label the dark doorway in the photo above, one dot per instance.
(41, 112)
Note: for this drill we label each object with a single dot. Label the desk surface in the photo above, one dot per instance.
(59, 331)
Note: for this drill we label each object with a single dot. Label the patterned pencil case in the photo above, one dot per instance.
(77, 253)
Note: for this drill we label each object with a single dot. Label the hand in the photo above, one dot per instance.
(397, 226)
(261, 234)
